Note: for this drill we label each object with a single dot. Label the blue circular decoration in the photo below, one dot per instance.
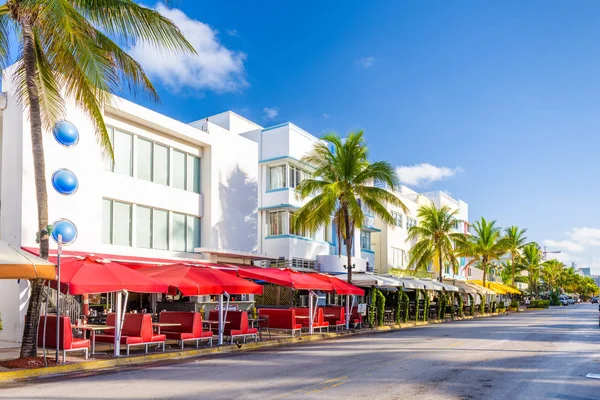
(66, 134)
(65, 182)
(67, 229)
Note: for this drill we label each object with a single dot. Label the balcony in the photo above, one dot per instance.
(338, 264)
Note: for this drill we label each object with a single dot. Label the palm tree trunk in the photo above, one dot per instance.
(440, 261)
(485, 267)
(348, 245)
(512, 263)
(28, 346)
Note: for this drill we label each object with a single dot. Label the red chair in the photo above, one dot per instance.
(189, 330)
(335, 316)
(356, 318)
(137, 331)
(281, 319)
(66, 340)
(318, 323)
(236, 325)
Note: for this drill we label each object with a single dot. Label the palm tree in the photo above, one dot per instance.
(532, 261)
(484, 245)
(341, 182)
(516, 240)
(435, 238)
(66, 51)
(551, 272)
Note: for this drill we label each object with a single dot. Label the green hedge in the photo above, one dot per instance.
(539, 304)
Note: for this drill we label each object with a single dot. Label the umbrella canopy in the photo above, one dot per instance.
(339, 286)
(18, 264)
(286, 277)
(497, 287)
(197, 280)
(94, 275)
(447, 287)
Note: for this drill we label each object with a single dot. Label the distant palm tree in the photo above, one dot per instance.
(516, 241)
(66, 51)
(435, 239)
(341, 182)
(484, 245)
(551, 272)
(532, 261)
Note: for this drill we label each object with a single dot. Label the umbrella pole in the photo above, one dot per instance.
(220, 320)
(347, 311)
(117, 325)
(45, 325)
(58, 254)
(311, 317)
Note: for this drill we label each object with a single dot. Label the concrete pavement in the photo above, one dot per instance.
(533, 355)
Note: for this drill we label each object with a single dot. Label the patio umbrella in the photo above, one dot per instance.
(198, 280)
(18, 264)
(91, 274)
(342, 287)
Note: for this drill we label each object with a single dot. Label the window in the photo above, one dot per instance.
(143, 227)
(365, 240)
(303, 263)
(397, 257)
(302, 232)
(161, 164)
(178, 234)
(296, 175)
(106, 221)
(410, 222)
(192, 236)
(108, 162)
(160, 229)
(397, 219)
(179, 170)
(193, 174)
(122, 148)
(276, 222)
(121, 223)
(277, 177)
(144, 159)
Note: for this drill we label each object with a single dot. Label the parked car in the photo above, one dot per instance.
(563, 300)
(594, 300)
(570, 300)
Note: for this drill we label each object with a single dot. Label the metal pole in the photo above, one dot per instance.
(118, 325)
(58, 254)
(310, 312)
(220, 320)
(347, 311)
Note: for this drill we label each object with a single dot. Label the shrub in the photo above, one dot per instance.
(501, 307)
(472, 303)
(443, 303)
(380, 307)
(554, 301)
(427, 304)
(539, 304)
(514, 304)
(372, 305)
(461, 305)
(404, 302)
(481, 304)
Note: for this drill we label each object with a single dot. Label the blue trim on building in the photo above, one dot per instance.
(279, 206)
(278, 190)
(370, 229)
(367, 251)
(268, 160)
(288, 236)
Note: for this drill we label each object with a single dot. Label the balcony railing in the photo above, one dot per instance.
(414, 197)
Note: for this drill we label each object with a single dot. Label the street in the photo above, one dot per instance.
(531, 355)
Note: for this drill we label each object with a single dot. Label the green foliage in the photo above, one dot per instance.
(514, 304)
(501, 306)
(398, 315)
(481, 303)
(472, 303)
(404, 301)
(380, 307)
(539, 304)
(442, 306)
(372, 307)
(554, 301)
(461, 305)
(427, 304)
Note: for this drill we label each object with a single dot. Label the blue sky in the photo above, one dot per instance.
(502, 99)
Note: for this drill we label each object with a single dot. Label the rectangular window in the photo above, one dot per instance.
(296, 175)
(106, 221)
(192, 236)
(397, 219)
(277, 177)
(144, 159)
(397, 257)
(160, 229)
(123, 146)
(143, 227)
(121, 223)
(276, 221)
(193, 174)
(179, 169)
(410, 222)
(108, 162)
(161, 164)
(178, 232)
(365, 240)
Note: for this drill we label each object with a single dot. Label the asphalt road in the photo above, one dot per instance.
(533, 355)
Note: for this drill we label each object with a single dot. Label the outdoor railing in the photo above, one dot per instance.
(69, 306)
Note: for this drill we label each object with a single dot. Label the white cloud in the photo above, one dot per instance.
(584, 241)
(215, 67)
(325, 116)
(424, 174)
(232, 32)
(564, 244)
(585, 236)
(366, 62)
(270, 113)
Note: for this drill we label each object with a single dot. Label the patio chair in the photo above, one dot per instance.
(66, 340)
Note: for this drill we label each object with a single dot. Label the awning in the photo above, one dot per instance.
(340, 286)
(429, 284)
(497, 287)
(370, 280)
(285, 277)
(466, 287)
(408, 282)
(198, 280)
(439, 286)
(18, 264)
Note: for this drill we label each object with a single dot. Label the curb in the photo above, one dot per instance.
(103, 365)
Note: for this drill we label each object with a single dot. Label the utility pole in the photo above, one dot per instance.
(549, 252)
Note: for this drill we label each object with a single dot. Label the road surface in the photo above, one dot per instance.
(532, 355)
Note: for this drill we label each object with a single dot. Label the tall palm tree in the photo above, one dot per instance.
(532, 260)
(516, 241)
(551, 272)
(435, 238)
(66, 51)
(341, 182)
(484, 245)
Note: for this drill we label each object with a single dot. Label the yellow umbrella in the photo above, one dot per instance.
(18, 264)
(490, 285)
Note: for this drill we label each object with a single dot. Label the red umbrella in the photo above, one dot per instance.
(286, 277)
(340, 286)
(91, 274)
(197, 280)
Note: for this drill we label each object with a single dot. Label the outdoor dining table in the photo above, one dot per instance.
(93, 328)
(329, 315)
(158, 325)
(211, 322)
(302, 317)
